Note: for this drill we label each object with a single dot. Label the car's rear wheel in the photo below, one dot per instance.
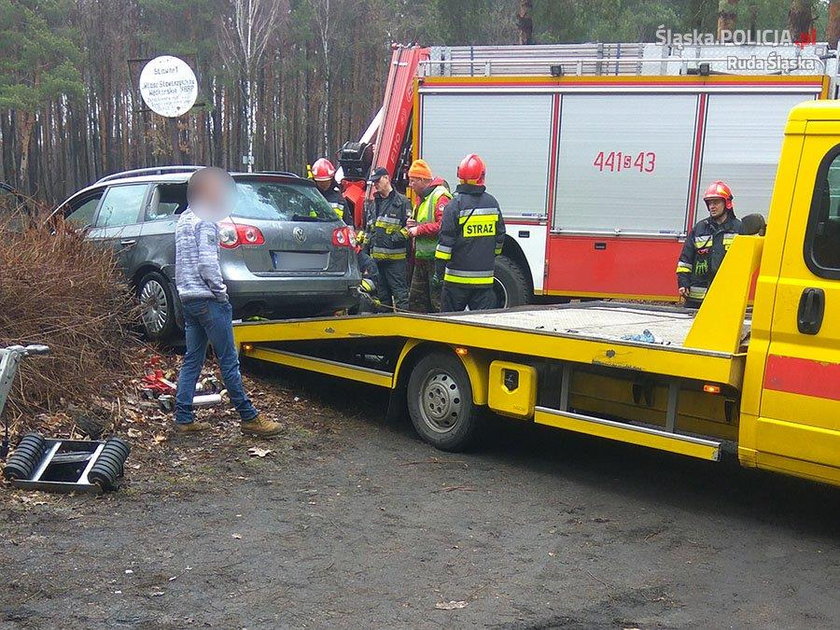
(157, 304)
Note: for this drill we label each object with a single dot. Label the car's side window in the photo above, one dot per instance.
(121, 205)
(167, 200)
(80, 212)
(822, 238)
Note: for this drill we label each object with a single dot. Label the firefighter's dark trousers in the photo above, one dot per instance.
(423, 297)
(457, 297)
(393, 285)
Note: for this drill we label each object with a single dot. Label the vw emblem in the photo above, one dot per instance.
(300, 235)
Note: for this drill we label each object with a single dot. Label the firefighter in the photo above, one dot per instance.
(323, 172)
(387, 237)
(707, 244)
(472, 232)
(423, 227)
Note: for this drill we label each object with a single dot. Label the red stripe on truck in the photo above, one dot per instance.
(802, 376)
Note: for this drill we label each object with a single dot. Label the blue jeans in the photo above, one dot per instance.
(209, 321)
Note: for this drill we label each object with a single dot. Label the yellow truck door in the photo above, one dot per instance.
(797, 430)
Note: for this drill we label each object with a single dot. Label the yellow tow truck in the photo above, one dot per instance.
(756, 377)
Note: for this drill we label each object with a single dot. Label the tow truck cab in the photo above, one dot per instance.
(760, 381)
(790, 403)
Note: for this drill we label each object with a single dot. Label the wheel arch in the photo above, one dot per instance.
(512, 250)
(475, 363)
(143, 270)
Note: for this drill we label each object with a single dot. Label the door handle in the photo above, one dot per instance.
(811, 311)
(129, 242)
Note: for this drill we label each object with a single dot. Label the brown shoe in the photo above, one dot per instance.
(196, 426)
(260, 427)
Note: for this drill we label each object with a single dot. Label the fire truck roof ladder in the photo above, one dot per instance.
(607, 59)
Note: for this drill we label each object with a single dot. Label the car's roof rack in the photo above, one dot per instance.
(154, 170)
(286, 173)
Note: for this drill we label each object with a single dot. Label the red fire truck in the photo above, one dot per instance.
(597, 153)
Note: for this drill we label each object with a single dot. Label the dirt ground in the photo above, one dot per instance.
(352, 522)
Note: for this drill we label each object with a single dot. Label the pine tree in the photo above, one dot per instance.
(39, 64)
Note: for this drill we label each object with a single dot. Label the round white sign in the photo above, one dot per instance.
(168, 86)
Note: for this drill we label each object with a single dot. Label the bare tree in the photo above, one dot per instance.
(323, 21)
(727, 14)
(245, 36)
(525, 22)
(832, 33)
(800, 19)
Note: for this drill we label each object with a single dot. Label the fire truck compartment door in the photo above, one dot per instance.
(625, 163)
(511, 132)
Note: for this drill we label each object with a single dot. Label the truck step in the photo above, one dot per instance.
(621, 432)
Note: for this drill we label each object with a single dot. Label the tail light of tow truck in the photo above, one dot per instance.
(232, 235)
(344, 236)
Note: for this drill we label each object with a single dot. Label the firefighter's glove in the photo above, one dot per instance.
(437, 281)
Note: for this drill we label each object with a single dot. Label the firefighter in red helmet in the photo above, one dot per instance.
(707, 244)
(323, 172)
(472, 232)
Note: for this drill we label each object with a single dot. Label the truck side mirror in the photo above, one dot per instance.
(753, 224)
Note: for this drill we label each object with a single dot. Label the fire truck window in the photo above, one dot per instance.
(624, 163)
(512, 132)
(743, 150)
(822, 239)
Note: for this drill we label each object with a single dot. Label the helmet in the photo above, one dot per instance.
(719, 190)
(471, 170)
(323, 170)
(368, 286)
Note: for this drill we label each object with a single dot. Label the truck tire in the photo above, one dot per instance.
(511, 285)
(440, 402)
(157, 303)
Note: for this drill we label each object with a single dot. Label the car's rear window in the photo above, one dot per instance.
(283, 201)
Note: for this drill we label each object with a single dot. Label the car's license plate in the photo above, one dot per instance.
(300, 261)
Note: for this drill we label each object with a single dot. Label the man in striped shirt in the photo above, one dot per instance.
(207, 311)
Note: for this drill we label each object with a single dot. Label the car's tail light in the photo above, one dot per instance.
(232, 235)
(344, 237)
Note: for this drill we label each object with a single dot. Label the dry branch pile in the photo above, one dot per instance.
(58, 289)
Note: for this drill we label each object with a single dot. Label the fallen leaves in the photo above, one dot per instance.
(258, 451)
